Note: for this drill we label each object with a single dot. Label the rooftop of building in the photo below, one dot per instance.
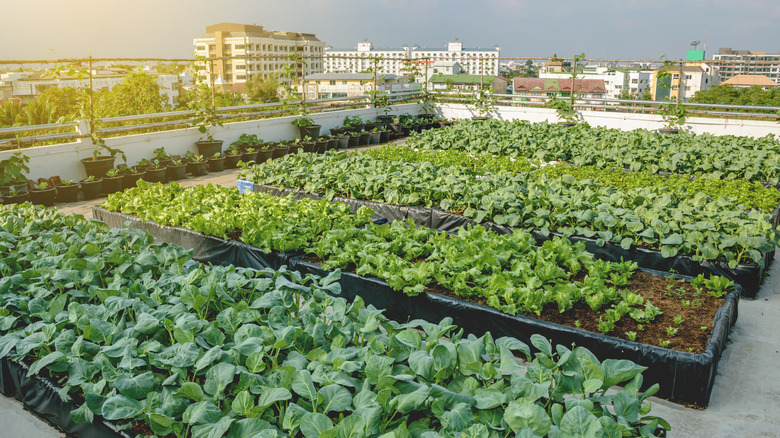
(559, 85)
(750, 81)
(250, 30)
(464, 79)
(348, 76)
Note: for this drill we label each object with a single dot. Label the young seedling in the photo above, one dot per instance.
(631, 336)
(704, 328)
(671, 331)
(664, 343)
(678, 319)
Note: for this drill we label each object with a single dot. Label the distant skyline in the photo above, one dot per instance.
(614, 29)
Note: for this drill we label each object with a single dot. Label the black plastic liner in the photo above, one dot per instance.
(42, 397)
(204, 248)
(684, 377)
(749, 276)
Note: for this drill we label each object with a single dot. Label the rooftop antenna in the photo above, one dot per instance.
(695, 44)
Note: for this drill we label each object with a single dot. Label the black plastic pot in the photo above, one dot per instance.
(16, 199)
(406, 130)
(354, 140)
(175, 173)
(343, 142)
(293, 149)
(374, 137)
(310, 147)
(668, 131)
(216, 164)
(130, 179)
(47, 197)
(209, 148)
(91, 189)
(333, 143)
(384, 120)
(154, 175)
(397, 128)
(264, 155)
(426, 116)
(68, 193)
(384, 136)
(112, 184)
(98, 167)
(279, 152)
(197, 168)
(20, 187)
(365, 137)
(321, 146)
(231, 161)
(247, 157)
(312, 131)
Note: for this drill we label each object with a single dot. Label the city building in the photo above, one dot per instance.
(618, 81)
(330, 85)
(696, 76)
(747, 81)
(398, 60)
(537, 89)
(730, 63)
(365, 57)
(31, 84)
(443, 82)
(254, 51)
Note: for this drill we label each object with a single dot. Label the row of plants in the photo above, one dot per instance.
(752, 195)
(698, 226)
(726, 157)
(261, 220)
(507, 272)
(136, 333)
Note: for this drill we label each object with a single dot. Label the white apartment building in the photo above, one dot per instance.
(331, 85)
(365, 57)
(395, 60)
(472, 61)
(616, 80)
(246, 50)
(745, 62)
(685, 82)
(30, 84)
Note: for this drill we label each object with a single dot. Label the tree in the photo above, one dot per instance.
(261, 90)
(139, 93)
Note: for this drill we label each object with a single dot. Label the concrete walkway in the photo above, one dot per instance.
(745, 400)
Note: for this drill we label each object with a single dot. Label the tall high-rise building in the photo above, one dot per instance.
(745, 62)
(256, 51)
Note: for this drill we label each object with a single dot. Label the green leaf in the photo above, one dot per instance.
(617, 371)
(303, 386)
(119, 407)
(488, 398)
(192, 391)
(243, 403)
(200, 413)
(314, 424)
(135, 386)
(521, 414)
(49, 359)
(334, 398)
(270, 396)
(579, 423)
(405, 403)
(215, 430)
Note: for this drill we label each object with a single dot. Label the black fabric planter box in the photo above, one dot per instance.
(204, 248)
(42, 397)
(748, 276)
(684, 377)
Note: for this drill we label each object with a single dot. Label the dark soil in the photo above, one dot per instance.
(665, 293)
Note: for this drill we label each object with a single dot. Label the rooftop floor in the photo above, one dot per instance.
(745, 399)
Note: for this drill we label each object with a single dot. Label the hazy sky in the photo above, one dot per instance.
(635, 29)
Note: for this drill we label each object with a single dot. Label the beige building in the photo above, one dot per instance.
(332, 85)
(744, 62)
(256, 51)
(747, 81)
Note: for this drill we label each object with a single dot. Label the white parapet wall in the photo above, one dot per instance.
(622, 120)
(64, 159)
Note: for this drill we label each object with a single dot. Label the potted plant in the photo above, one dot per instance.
(354, 123)
(232, 157)
(177, 170)
(384, 135)
(396, 125)
(567, 115)
(205, 119)
(481, 102)
(12, 172)
(281, 150)
(91, 186)
(216, 163)
(295, 146)
(67, 191)
(343, 141)
(131, 176)
(320, 145)
(306, 126)
(266, 152)
(162, 156)
(674, 116)
(197, 165)
(247, 140)
(155, 172)
(97, 165)
(112, 182)
(15, 197)
(249, 155)
(374, 136)
(43, 194)
(354, 139)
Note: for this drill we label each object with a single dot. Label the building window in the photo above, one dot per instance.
(332, 82)
(343, 82)
(201, 48)
(687, 77)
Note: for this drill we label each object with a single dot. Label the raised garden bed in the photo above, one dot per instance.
(748, 276)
